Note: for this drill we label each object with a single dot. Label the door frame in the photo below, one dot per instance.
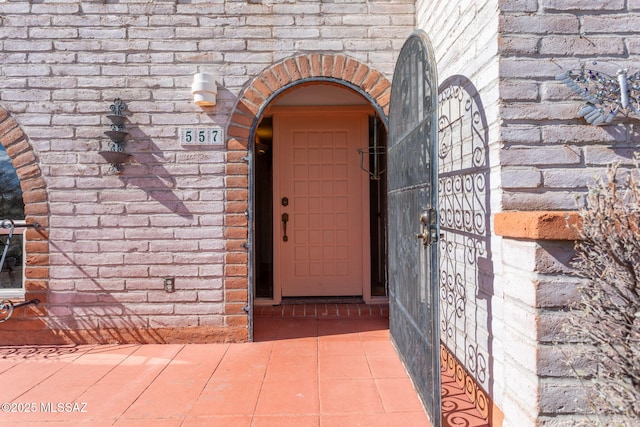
(324, 111)
(309, 68)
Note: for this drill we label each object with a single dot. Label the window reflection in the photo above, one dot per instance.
(11, 273)
(11, 207)
(11, 204)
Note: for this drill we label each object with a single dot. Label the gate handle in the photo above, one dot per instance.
(285, 219)
(429, 225)
(424, 236)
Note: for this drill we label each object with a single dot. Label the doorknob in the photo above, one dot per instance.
(285, 219)
(429, 224)
(424, 236)
(429, 236)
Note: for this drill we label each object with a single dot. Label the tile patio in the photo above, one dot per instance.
(319, 371)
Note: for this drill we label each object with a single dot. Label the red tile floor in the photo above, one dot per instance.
(309, 371)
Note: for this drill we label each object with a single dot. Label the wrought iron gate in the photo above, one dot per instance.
(413, 229)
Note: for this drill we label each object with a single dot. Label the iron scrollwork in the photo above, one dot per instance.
(464, 212)
(411, 173)
(452, 406)
(7, 307)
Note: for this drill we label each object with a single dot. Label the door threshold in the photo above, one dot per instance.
(321, 300)
(323, 310)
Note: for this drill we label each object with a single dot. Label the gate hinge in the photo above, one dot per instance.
(245, 308)
(245, 245)
(246, 158)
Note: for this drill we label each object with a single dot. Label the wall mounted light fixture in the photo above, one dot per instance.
(116, 155)
(204, 90)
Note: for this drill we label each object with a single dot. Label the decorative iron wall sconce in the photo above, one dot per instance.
(605, 95)
(204, 90)
(116, 155)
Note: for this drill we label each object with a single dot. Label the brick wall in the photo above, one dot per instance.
(174, 211)
(34, 194)
(541, 155)
(549, 156)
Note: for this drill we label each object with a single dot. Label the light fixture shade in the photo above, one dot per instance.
(204, 90)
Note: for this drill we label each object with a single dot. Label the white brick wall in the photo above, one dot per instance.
(113, 238)
(565, 34)
(543, 136)
(542, 156)
(464, 35)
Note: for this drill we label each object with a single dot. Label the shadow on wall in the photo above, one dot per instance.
(106, 311)
(184, 189)
(466, 266)
(155, 174)
(97, 314)
(93, 315)
(161, 188)
(72, 317)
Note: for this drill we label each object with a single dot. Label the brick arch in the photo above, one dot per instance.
(36, 206)
(336, 69)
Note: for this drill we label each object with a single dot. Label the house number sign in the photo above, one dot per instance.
(213, 135)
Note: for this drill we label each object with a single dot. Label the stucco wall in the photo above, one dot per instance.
(174, 211)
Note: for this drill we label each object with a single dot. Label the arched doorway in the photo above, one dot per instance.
(314, 92)
(319, 202)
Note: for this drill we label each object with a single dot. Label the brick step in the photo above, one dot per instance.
(322, 310)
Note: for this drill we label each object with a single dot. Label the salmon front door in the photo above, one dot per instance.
(321, 202)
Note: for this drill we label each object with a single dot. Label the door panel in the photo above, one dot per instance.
(412, 197)
(320, 197)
